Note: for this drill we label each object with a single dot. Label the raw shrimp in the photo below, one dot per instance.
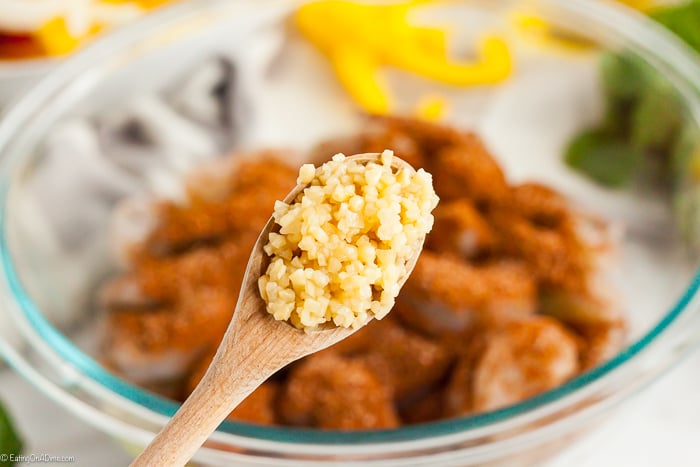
(507, 300)
(512, 363)
(460, 229)
(333, 392)
(405, 361)
(447, 295)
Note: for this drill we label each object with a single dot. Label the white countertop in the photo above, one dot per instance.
(658, 428)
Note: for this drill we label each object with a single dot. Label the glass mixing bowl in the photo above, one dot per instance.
(17, 77)
(527, 121)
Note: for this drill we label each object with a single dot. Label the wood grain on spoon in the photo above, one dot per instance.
(254, 347)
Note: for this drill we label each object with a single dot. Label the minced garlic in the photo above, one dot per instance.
(343, 243)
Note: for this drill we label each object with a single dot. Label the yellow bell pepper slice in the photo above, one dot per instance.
(493, 66)
(360, 38)
(431, 108)
(540, 33)
(639, 4)
(358, 73)
(55, 38)
(146, 4)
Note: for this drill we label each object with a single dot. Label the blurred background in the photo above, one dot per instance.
(144, 113)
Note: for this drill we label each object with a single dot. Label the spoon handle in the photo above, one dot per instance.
(190, 427)
(243, 362)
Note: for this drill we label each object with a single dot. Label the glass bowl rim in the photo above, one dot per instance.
(677, 55)
(11, 68)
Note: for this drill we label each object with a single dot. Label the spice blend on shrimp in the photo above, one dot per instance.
(504, 302)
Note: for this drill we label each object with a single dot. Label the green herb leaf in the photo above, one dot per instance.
(10, 443)
(605, 158)
(624, 76)
(683, 20)
(656, 119)
(685, 158)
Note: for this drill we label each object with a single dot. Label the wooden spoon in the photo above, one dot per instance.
(254, 347)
